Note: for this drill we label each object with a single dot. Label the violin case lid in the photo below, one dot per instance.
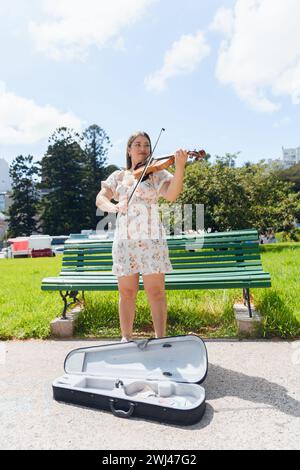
(179, 358)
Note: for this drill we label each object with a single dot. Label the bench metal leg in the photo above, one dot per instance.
(72, 295)
(246, 297)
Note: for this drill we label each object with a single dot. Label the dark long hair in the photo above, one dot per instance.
(130, 140)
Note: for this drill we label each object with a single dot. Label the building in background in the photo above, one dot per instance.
(5, 181)
(5, 202)
(2, 201)
(3, 226)
(290, 156)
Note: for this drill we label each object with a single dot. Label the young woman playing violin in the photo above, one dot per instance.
(139, 244)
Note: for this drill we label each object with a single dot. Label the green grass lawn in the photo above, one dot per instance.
(26, 311)
(280, 305)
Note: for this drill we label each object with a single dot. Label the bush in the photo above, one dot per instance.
(292, 236)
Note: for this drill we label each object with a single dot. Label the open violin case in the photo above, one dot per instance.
(156, 379)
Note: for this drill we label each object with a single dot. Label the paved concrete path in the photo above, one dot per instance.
(253, 402)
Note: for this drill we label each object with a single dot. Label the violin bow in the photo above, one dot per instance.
(149, 160)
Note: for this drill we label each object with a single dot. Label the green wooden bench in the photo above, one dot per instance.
(221, 260)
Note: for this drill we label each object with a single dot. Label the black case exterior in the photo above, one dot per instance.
(126, 407)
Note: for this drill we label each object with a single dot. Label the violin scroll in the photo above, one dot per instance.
(198, 154)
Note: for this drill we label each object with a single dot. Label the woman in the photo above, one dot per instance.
(139, 244)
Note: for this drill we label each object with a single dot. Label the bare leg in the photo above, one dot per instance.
(128, 288)
(154, 285)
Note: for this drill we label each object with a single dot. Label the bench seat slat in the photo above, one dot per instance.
(196, 284)
(169, 276)
(179, 278)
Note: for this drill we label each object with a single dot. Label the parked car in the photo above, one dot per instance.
(19, 247)
(40, 246)
(58, 243)
(6, 252)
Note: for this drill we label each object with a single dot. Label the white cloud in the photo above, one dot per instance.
(22, 121)
(182, 58)
(260, 55)
(223, 21)
(73, 26)
(289, 83)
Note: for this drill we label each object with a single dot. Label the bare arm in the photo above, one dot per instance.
(103, 201)
(174, 187)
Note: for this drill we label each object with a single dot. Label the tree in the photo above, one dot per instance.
(273, 204)
(229, 160)
(23, 211)
(96, 143)
(65, 179)
(221, 190)
(239, 198)
(110, 169)
(292, 175)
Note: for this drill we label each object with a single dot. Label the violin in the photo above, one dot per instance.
(143, 169)
(161, 163)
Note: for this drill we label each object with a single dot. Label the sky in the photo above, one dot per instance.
(219, 75)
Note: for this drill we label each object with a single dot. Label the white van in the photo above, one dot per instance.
(40, 245)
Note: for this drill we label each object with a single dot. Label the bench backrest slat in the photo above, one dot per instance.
(216, 251)
(175, 262)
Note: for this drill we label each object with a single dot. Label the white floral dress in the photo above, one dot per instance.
(139, 244)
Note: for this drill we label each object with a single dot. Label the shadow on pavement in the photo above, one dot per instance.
(222, 382)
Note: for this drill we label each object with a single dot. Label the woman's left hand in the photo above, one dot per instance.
(181, 157)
